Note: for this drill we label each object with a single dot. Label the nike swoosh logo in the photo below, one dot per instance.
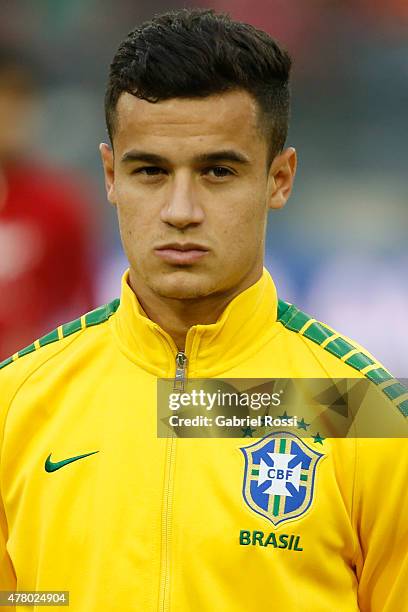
(51, 466)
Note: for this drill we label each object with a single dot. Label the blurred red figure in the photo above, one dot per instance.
(45, 242)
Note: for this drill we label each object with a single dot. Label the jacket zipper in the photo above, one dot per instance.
(180, 377)
(164, 600)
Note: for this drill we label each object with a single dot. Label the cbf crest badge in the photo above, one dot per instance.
(279, 478)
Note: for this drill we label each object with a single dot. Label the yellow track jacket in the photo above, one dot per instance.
(142, 523)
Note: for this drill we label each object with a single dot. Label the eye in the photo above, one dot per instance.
(220, 171)
(148, 170)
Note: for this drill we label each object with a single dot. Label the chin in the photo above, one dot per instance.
(182, 285)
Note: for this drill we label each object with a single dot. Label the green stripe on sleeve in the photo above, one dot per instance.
(395, 390)
(318, 333)
(379, 375)
(339, 347)
(71, 327)
(359, 361)
(112, 307)
(403, 407)
(282, 308)
(99, 315)
(51, 337)
(6, 362)
(287, 315)
(297, 322)
(96, 316)
(292, 318)
(27, 350)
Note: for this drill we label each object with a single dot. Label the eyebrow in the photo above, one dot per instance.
(216, 156)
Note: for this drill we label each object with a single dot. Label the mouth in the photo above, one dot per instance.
(181, 254)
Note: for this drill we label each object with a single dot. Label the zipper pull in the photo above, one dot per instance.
(180, 377)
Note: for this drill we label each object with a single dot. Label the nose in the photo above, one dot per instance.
(181, 207)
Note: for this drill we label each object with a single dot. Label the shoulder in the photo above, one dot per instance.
(339, 355)
(17, 369)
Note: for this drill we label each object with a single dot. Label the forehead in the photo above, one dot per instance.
(230, 117)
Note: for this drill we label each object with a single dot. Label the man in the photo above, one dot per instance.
(94, 502)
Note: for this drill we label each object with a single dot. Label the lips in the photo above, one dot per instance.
(181, 254)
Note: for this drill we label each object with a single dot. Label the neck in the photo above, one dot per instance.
(176, 316)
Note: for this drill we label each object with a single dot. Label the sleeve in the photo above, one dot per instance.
(7, 575)
(381, 522)
(8, 581)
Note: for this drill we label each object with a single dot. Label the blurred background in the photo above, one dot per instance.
(339, 248)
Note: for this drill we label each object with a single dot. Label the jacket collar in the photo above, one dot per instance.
(243, 327)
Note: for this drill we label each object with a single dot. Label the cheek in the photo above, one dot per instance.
(135, 214)
(134, 229)
(243, 222)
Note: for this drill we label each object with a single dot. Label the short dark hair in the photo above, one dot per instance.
(188, 53)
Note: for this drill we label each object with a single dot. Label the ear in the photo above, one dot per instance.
(109, 171)
(280, 178)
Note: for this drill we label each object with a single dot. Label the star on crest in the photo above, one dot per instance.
(247, 432)
(318, 439)
(302, 424)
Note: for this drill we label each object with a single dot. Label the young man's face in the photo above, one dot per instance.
(176, 185)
